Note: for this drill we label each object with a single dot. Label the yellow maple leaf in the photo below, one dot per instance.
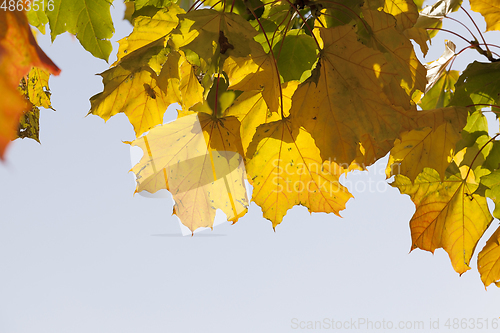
(448, 214)
(490, 9)
(198, 158)
(488, 260)
(286, 169)
(347, 96)
(135, 93)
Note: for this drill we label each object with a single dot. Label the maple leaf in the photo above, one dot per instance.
(19, 52)
(448, 214)
(352, 92)
(286, 169)
(490, 9)
(89, 20)
(488, 260)
(198, 158)
(134, 86)
(431, 144)
(134, 90)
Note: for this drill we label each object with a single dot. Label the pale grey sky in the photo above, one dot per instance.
(79, 253)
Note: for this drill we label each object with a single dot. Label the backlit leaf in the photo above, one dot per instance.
(133, 88)
(448, 214)
(286, 169)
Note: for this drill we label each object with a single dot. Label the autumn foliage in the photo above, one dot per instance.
(289, 95)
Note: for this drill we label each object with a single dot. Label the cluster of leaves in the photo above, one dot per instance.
(291, 94)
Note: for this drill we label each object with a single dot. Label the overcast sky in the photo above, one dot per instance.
(80, 253)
